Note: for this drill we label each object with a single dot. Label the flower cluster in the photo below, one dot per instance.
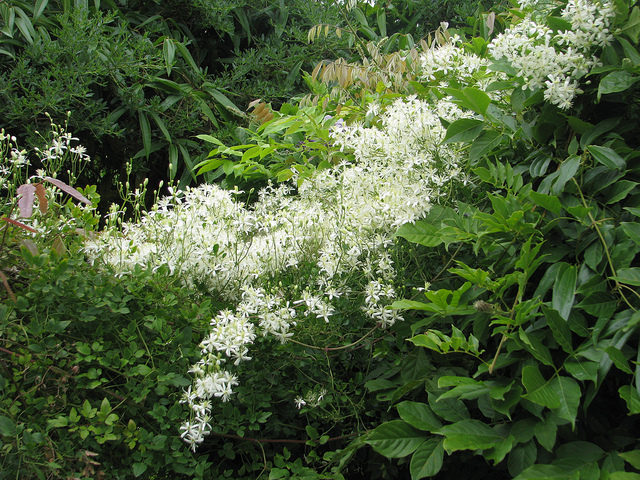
(556, 60)
(341, 221)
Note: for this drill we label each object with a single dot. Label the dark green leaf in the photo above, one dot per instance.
(522, 457)
(629, 276)
(396, 439)
(630, 395)
(463, 130)
(538, 389)
(632, 229)
(419, 415)
(450, 409)
(469, 434)
(427, 459)
(568, 393)
(608, 157)
(632, 457)
(559, 328)
(616, 81)
(548, 202)
(618, 359)
(564, 290)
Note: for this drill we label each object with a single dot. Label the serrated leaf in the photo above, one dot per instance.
(469, 434)
(426, 461)
(395, 439)
(539, 390)
(419, 415)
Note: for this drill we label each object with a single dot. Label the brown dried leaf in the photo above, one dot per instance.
(19, 224)
(5, 282)
(41, 193)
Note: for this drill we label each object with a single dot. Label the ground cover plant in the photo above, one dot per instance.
(437, 279)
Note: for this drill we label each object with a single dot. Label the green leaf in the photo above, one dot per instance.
(422, 233)
(624, 476)
(628, 276)
(484, 144)
(395, 439)
(547, 472)
(564, 290)
(522, 457)
(169, 53)
(419, 415)
(539, 390)
(471, 98)
(566, 172)
(632, 229)
(568, 393)
(619, 191)
(548, 202)
(599, 304)
(607, 156)
(426, 461)
(450, 409)
(559, 328)
(582, 370)
(632, 457)
(463, 130)
(618, 359)
(630, 395)
(139, 468)
(7, 427)
(632, 28)
(498, 452)
(469, 434)
(617, 81)
(546, 432)
(145, 128)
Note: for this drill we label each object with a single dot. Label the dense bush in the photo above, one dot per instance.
(440, 279)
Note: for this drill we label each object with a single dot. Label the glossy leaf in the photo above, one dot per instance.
(469, 434)
(538, 389)
(427, 460)
(396, 439)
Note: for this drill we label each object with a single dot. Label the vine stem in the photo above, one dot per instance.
(330, 349)
(594, 224)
